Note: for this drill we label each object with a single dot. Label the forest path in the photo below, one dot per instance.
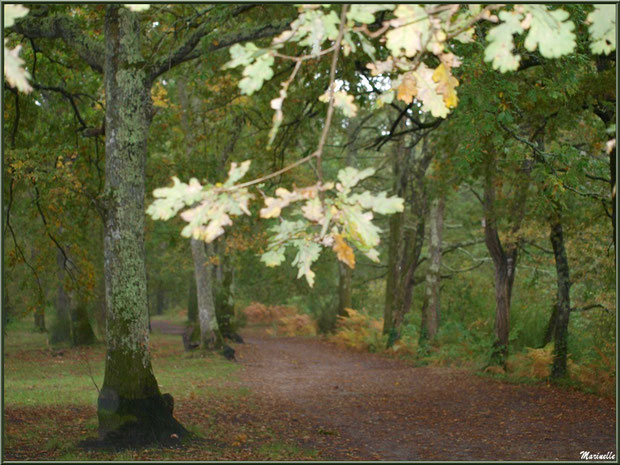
(375, 408)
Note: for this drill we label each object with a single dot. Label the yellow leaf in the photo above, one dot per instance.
(407, 88)
(445, 85)
(343, 251)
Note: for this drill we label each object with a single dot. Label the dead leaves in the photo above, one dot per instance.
(407, 89)
(343, 251)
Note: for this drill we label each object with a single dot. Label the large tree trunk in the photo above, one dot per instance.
(210, 337)
(562, 305)
(406, 236)
(431, 306)
(131, 409)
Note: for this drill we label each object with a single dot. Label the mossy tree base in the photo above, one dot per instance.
(137, 422)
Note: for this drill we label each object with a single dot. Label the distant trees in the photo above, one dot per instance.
(125, 50)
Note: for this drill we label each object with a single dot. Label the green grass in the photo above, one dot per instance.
(50, 397)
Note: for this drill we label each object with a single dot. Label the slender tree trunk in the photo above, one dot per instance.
(345, 275)
(39, 312)
(81, 330)
(560, 350)
(210, 337)
(131, 408)
(61, 328)
(550, 329)
(39, 319)
(431, 306)
(504, 257)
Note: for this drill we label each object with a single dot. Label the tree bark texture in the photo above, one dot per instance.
(431, 306)
(406, 236)
(504, 256)
(562, 305)
(130, 407)
(209, 331)
(192, 301)
(224, 277)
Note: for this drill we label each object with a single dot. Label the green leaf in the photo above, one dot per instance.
(501, 43)
(241, 55)
(312, 27)
(287, 230)
(236, 172)
(170, 200)
(365, 13)
(308, 253)
(379, 203)
(273, 257)
(550, 31)
(603, 29)
(359, 228)
(211, 209)
(256, 74)
(349, 176)
(410, 31)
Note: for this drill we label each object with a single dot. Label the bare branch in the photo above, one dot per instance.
(590, 307)
(66, 94)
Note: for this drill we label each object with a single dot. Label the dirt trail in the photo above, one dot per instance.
(368, 407)
(390, 411)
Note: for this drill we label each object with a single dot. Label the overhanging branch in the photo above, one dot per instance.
(65, 28)
(187, 50)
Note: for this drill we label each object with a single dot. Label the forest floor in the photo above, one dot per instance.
(307, 399)
(378, 408)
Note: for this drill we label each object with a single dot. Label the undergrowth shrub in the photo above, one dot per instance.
(359, 331)
(457, 342)
(531, 363)
(283, 320)
(597, 373)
